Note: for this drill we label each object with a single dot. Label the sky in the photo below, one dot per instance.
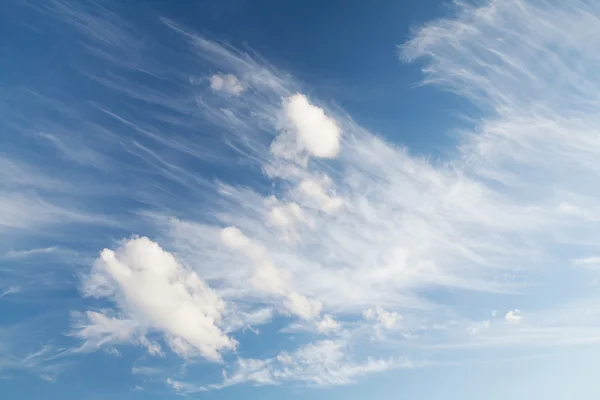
(299, 199)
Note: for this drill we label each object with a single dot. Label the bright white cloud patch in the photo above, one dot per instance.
(313, 130)
(513, 317)
(327, 324)
(315, 191)
(227, 83)
(385, 318)
(158, 293)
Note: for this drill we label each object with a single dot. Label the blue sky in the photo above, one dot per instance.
(263, 199)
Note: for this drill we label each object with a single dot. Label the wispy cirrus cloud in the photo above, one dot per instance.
(353, 240)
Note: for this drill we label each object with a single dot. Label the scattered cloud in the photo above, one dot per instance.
(227, 83)
(384, 318)
(513, 317)
(588, 262)
(308, 128)
(319, 364)
(157, 293)
(10, 290)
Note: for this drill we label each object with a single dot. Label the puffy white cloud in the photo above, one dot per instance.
(228, 83)
(303, 307)
(157, 293)
(513, 317)
(315, 190)
(269, 279)
(327, 324)
(285, 216)
(385, 318)
(312, 130)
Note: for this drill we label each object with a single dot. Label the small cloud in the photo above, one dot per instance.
(327, 324)
(303, 307)
(383, 318)
(148, 371)
(10, 290)
(588, 262)
(513, 317)
(477, 327)
(316, 191)
(48, 378)
(12, 254)
(227, 83)
(311, 129)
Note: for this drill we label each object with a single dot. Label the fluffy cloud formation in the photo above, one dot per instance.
(513, 317)
(310, 129)
(158, 293)
(385, 318)
(327, 324)
(227, 83)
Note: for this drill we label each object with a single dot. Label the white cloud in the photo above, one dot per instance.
(285, 217)
(327, 324)
(268, 278)
(30, 252)
(322, 363)
(311, 130)
(383, 322)
(303, 307)
(10, 290)
(228, 83)
(478, 327)
(513, 317)
(157, 293)
(588, 262)
(384, 318)
(315, 190)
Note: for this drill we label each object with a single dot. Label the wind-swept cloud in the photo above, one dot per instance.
(10, 290)
(319, 364)
(328, 228)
